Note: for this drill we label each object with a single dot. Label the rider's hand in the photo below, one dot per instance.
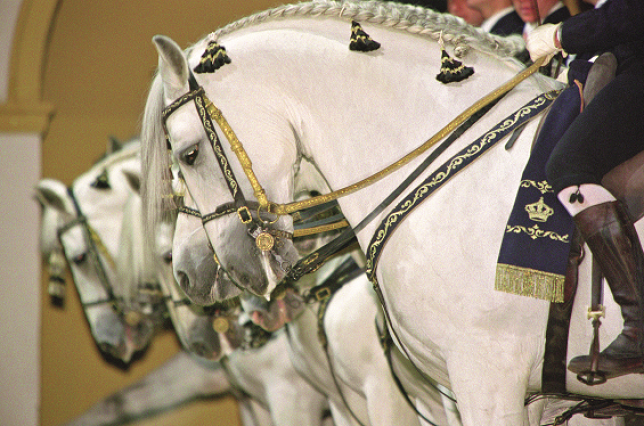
(543, 41)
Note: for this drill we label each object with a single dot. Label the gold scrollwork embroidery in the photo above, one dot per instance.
(535, 232)
(543, 186)
(453, 167)
(232, 183)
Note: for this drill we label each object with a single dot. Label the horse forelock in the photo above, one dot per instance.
(156, 182)
(407, 18)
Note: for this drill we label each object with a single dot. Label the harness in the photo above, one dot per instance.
(97, 251)
(95, 248)
(258, 227)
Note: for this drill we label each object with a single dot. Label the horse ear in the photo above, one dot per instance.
(114, 145)
(53, 193)
(173, 66)
(134, 180)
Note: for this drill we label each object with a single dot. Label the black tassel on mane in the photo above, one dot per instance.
(212, 59)
(452, 70)
(360, 40)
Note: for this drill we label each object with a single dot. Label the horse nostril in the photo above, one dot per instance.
(184, 281)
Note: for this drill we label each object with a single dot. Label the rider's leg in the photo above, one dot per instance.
(611, 236)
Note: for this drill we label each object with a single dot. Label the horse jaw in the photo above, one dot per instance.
(173, 67)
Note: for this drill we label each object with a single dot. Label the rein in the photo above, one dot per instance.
(258, 229)
(283, 209)
(208, 111)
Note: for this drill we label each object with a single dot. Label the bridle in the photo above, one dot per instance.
(264, 237)
(97, 251)
(258, 228)
(95, 247)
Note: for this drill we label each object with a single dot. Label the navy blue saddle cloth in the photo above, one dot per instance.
(534, 253)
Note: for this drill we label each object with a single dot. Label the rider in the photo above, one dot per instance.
(609, 131)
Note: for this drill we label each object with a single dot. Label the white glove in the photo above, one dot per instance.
(541, 42)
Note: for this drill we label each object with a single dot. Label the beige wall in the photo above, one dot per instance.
(92, 63)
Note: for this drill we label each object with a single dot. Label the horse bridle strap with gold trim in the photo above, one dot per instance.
(206, 111)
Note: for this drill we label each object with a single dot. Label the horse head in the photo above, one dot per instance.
(58, 214)
(87, 220)
(212, 167)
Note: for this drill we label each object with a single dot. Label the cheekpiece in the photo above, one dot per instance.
(212, 59)
(360, 40)
(452, 70)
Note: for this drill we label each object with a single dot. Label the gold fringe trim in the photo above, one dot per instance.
(529, 282)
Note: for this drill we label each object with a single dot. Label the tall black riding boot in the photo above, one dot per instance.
(613, 240)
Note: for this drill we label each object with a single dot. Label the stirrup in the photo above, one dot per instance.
(594, 376)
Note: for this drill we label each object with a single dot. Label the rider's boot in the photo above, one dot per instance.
(614, 242)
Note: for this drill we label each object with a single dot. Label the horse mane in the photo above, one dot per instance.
(412, 19)
(134, 263)
(156, 179)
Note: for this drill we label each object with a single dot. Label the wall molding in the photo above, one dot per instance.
(25, 110)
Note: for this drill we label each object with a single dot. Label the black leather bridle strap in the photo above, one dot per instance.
(92, 251)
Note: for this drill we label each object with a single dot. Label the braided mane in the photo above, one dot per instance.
(412, 19)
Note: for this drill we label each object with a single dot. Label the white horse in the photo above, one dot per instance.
(293, 90)
(71, 227)
(352, 372)
(261, 375)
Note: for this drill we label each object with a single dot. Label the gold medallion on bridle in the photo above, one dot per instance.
(265, 241)
(220, 325)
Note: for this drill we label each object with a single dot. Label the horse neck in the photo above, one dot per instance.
(351, 113)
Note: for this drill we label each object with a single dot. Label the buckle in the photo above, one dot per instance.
(322, 294)
(244, 215)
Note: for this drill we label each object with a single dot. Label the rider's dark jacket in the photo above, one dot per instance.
(616, 26)
(609, 130)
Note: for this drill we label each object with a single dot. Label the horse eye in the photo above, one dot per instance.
(167, 257)
(190, 155)
(79, 258)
